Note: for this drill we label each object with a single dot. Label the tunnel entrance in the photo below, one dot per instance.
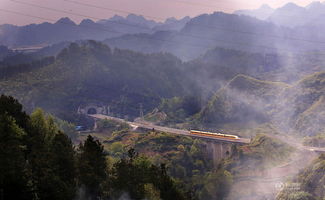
(92, 111)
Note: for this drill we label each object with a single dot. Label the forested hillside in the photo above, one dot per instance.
(292, 108)
(92, 72)
(242, 100)
(207, 90)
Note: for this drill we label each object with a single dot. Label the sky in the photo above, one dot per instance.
(22, 12)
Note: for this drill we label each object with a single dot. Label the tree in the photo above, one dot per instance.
(216, 185)
(37, 162)
(11, 107)
(45, 182)
(143, 180)
(13, 179)
(43, 126)
(92, 167)
(165, 184)
(129, 175)
(63, 165)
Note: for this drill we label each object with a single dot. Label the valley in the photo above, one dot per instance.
(105, 103)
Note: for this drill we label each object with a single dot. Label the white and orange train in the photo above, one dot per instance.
(215, 135)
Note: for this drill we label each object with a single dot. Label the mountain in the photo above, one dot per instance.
(85, 69)
(92, 72)
(302, 106)
(225, 86)
(130, 24)
(172, 24)
(290, 15)
(140, 22)
(131, 19)
(47, 33)
(186, 38)
(230, 31)
(297, 108)
(315, 6)
(261, 13)
(242, 100)
(203, 33)
(66, 30)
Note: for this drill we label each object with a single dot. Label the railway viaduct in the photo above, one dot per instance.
(218, 148)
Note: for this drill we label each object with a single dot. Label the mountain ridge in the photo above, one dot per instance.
(65, 29)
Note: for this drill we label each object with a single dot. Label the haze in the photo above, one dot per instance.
(18, 13)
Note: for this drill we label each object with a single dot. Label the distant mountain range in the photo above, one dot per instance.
(290, 15)
(264, 12)
(230, 31)
(67, 30)
(290, 29)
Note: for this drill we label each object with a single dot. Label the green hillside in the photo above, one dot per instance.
(202, 93)
(242, 100)
(92, 72)
(297, 108)
(301, 106)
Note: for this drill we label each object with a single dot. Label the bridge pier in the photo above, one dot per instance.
(218, 150)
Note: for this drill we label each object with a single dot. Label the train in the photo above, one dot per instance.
(216, 135)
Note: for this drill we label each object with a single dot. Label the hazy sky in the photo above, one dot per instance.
(157, 9)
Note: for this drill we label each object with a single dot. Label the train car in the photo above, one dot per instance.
(216, 135)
